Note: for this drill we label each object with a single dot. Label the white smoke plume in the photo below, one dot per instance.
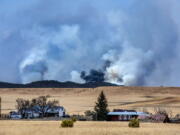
(56, 40)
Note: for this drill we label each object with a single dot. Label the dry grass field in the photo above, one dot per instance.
(85, 128)
(78, 100)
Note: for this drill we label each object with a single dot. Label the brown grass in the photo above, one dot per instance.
(85, 128)
(81, 99)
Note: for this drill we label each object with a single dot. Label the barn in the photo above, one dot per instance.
(124, 115)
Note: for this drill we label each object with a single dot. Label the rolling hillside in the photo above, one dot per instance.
(78, 100)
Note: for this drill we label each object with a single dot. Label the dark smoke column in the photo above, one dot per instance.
(94, 76)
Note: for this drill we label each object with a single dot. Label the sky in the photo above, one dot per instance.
(58, 39)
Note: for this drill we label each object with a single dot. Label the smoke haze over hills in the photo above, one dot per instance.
(131, 42)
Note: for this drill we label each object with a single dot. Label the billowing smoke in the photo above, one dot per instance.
(131, 67)
(93, 76)
(134, 42)
(34, 69)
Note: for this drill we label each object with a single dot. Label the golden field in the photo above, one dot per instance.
(78, 100)
(85, 128)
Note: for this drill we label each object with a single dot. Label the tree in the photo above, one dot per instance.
(43, 104)
(90, 114)
(101, 107)
(163, 112)
(22, 105)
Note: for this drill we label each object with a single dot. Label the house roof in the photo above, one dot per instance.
(143, 113)
(128, 113)
(14, 113)
(122, 110)
(55, 109)
(122, 113)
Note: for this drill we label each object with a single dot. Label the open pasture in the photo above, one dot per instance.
(85, 128)
(78, 100)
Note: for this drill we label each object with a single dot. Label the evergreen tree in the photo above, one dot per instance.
(101, 107)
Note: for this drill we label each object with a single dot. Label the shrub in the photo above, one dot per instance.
(90, 115)
(134, 123)
(74, 119)
(67, 123)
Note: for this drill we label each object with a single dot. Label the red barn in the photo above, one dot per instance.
(124, 115)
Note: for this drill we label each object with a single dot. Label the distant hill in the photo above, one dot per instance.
(10, 85)
(55, 84)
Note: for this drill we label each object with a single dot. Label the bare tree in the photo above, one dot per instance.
(22, 105)
(161, 110)
(167, 113)
(145, 110)
(42, 103)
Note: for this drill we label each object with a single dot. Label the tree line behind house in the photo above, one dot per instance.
(43, 107)
(39, 107)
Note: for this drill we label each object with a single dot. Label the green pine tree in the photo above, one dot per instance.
(101, 107)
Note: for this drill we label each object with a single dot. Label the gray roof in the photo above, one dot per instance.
(128, 113)
(55, 109)
(143, 113)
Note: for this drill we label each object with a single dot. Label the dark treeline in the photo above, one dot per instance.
(55, 84)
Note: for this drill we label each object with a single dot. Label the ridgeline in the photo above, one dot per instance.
(55, 84)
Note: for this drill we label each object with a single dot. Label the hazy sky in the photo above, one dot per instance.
(57, 39)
